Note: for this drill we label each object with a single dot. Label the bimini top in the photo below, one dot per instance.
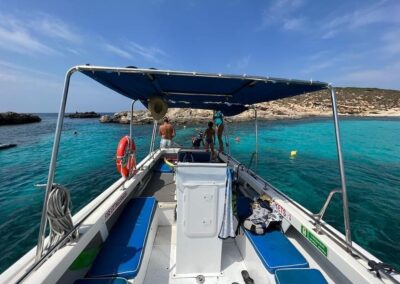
(230, 94)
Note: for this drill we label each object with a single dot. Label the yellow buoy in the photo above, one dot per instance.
(293, 153)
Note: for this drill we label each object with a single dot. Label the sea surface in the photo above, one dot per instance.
(86, 166)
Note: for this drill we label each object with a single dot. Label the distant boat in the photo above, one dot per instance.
(5, 146)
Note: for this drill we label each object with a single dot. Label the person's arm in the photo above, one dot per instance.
(173, 131)
(159, 131)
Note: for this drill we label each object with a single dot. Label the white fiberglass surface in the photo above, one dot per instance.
(161, 266)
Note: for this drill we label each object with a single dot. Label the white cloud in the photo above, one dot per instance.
(382, 12)
(153, 54)
(132, 49)
(24, 74)
(52, 27)
(280, 13)
(293, 24)
(386, 77)
(335, 60)
(34, 34)
(240, 64)
(243, 62)
(118, 51)
(391, 42)
(15, 37)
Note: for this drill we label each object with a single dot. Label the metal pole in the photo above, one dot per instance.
(52, 168)
(341, 168)
(256, 126)
(227, 137)
(131, 122)
(153, 136)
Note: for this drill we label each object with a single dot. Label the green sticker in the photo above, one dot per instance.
(85, 259)
(314, 240)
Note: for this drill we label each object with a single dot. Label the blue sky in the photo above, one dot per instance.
(347, 43)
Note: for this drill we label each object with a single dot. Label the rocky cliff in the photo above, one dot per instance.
(7, 118)
(351, 102)
(89, 114)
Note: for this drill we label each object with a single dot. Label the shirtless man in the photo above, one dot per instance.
(167, 132)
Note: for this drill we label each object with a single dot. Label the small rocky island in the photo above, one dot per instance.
(88, 114)
(366, 102)
(9, 118)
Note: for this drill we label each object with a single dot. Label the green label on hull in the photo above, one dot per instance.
(314, 240)
(85, 259)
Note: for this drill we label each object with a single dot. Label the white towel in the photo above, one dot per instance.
(227, 228)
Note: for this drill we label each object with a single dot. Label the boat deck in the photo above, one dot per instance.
(162, 261)
(162, 186)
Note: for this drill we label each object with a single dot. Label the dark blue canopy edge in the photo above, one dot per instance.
(230, 94)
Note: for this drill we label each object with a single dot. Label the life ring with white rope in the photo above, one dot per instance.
(126, 156)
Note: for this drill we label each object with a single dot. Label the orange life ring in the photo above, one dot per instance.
(126, 159)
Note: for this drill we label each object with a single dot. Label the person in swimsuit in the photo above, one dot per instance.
(197, 141)
(218, 118)
(209, 135)
(167, 132)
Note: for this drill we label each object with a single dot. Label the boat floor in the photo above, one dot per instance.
(162, 186)
(162, 261)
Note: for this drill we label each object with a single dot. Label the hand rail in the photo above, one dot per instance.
(256, 130)
(53, 162)
(341, 169)
(320, 214)
(251, 159)
(153, 136)
(131, 121)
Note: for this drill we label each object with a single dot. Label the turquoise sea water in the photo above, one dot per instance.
(86, 166)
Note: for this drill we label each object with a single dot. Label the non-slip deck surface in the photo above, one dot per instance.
(162, 261)
(162, 187)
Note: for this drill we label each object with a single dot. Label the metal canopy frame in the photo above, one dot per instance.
(255, 80)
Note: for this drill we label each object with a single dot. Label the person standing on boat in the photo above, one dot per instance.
(167, 133)
(209, 136)
(218, 118)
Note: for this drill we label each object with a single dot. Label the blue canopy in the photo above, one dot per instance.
(230, 94)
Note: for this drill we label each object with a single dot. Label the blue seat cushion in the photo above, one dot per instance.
(303, 275)
(276, 251)
(101, 281)
(123, 250)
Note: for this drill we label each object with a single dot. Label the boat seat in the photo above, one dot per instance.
(273, 248)
(303, 275)
(123, 250)
(276, 251)
(116, 280)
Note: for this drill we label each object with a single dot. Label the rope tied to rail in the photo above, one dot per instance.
(59, 214)
(380, 267)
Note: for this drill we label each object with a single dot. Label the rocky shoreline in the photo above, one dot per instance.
(362, 102)
(10, 118)
(89, 114)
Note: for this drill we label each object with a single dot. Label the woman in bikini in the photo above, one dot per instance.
(219, 123)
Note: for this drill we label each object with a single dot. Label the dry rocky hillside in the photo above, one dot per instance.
(351, 102)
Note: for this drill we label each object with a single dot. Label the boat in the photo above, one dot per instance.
(6, 146)
(178, 216)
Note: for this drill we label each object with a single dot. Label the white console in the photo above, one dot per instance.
(200, 199)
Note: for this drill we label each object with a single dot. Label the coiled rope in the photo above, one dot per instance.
(59, 214)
